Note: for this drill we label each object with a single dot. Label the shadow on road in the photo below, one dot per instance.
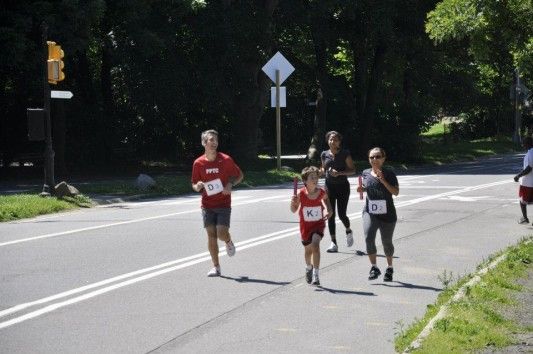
(244, 279)
(337, 291)
(399, 284)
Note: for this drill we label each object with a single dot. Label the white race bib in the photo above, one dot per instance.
(213, 187)
(377, 206)
(312, 213)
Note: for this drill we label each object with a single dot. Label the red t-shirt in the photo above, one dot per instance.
(311, 214)
(223, 167)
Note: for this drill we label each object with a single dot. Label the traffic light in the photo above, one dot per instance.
(55, 63)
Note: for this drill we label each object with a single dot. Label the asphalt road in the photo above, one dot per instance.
(131, 277)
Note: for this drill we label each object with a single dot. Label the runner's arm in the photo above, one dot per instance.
(524, 172)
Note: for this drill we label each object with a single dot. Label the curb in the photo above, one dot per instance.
(444, 308)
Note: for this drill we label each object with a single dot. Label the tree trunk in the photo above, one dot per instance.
(319, 127)
(367, 119)
(249, 104)
(317, 33)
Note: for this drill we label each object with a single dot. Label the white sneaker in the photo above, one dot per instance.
(349, 239)
(332, 248)
(214, 272)
(230, 248)
(315, 281)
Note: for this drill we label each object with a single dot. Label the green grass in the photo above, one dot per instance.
(476, 321)
(436, 151)
(20, 206)
(181, 184)
(436, 130)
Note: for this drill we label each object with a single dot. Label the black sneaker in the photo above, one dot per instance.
(523, 220)
(308, 275)
(374, 273)
(388, 274)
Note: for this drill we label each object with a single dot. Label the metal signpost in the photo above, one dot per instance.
(278, 69)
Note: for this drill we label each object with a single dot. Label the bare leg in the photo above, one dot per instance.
(223, 233)
(308, 252)
(372, 258)
(212, 244)
(315, 246)
(389, 261)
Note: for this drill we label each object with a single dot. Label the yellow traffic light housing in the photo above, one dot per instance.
(55, 63)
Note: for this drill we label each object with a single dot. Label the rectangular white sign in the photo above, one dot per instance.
(282, 96)
(61, 94)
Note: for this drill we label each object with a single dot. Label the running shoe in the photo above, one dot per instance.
(214, 272)
(308, 275)
(374, 273)
(523, 220)
(332, 248)
(349, 239)
(230, 248)
(359, 253)
(315, 281)
(388, 274)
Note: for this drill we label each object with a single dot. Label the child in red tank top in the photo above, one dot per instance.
(311, 201)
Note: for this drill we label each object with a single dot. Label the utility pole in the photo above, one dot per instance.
(49, 183)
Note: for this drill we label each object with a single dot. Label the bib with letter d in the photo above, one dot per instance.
(213, 187)
(377, 206)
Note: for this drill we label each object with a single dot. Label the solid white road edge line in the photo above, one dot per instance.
(56, 234)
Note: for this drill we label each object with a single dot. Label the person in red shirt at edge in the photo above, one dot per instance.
(215, 174)
(310, 200)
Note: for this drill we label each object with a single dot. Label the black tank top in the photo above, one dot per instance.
(336, 162)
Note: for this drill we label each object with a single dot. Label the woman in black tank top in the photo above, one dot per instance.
(337, 165)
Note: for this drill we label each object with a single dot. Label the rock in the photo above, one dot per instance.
(145, 182)
(63, 189)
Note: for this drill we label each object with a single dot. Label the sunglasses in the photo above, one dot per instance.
(375, 157)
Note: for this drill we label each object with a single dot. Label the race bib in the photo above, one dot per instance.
(377, 206)
(312, 213)
(213, 187)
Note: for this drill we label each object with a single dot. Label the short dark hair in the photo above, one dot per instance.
(333, 132)
(307, 171)
(381, 151)
(528, 141)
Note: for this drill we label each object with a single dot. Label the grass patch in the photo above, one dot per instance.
(476, 321)
(438, 151)
(19, 206)
(436, 130)
(181, 184)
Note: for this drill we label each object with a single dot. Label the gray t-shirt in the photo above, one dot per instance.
(379, 201)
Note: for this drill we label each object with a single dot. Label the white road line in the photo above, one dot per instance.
(259, 241)
(241, 245)
(189, 261)
(62, 233)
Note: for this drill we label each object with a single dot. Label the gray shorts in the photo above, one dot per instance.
(216, 216)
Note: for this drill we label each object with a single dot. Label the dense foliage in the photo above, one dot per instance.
(149, 76)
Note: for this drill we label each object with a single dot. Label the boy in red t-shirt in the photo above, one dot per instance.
(311, 200)
(215, 174)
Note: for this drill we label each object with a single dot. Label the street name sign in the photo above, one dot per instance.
(67, 95)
